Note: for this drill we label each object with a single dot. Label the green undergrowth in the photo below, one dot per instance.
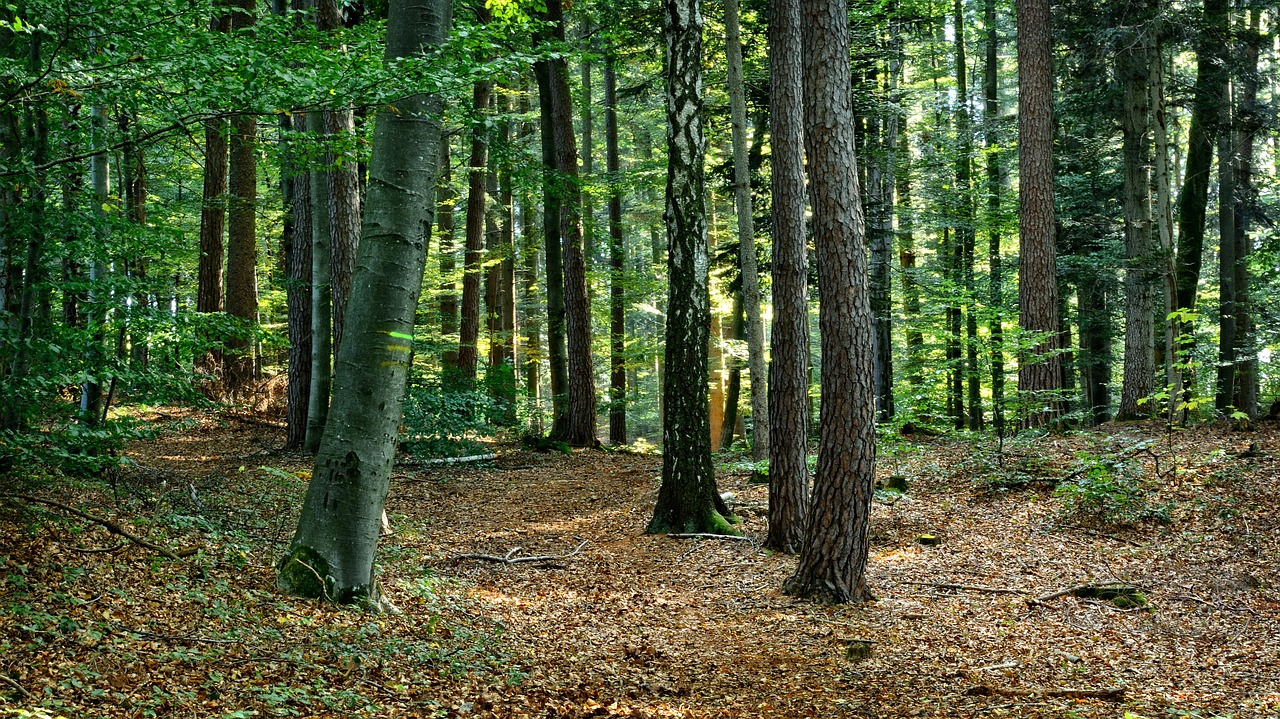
(126, 632)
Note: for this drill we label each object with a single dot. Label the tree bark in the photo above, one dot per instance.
(617, 262)
(213, 208)
(96, 316)
(297, 250)
(321, 298)
(687, 498)
(1040, 370)
(1133, 65)
(550, 77)
(966, 235)
(469, 331)
(789, 383)
(446, 199)
(332, 553)
(833, 560)
(747, 236)
(995, 188)
(1248, 123)
(242, 230)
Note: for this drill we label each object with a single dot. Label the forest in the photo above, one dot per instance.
(523, 358)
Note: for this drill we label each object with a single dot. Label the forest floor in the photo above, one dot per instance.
(649, 626)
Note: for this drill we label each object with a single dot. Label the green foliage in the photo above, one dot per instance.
(1109, 488)
(442, 421)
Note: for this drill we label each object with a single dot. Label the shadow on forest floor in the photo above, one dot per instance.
(637, 625)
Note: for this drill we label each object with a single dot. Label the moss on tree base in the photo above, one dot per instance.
(711, 523)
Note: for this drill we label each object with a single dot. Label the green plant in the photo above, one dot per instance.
(1106, 487)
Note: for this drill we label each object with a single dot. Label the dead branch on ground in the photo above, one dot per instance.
(511, 557)
(109, 525)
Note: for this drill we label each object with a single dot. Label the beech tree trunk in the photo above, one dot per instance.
(687, 498)
(1040, 370)
(1248, 123)
(833, 560)
(789, 383)
(747, 236)
(333, 549)
(446, 198)
(321, 298)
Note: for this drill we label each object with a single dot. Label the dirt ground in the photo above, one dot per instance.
(628, 624)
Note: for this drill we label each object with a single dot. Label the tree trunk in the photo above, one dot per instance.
(966, 235)
(617, 263)
(1040, 370)
(995, 288)
(1248, 123)
(549, 74)
(747, 236)
(687, 498)
(588, 151)
(834, 557)
(1164, 225)
(96, 317)
(333, 549)
(1134, 68)
(1193, 200)
(343, 187)
(446, 199)
(213, 209)
(502, 341)
(297, 251)
(469, 331)
(789, 383)
(1227, 245)
(321, 298)
(242, 232)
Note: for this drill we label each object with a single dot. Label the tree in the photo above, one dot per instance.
(834, 557)
(746, 235)
(617, 262)
(332, 552)
(1040, 370)
(469, 331)
(213, 209)
(687, 498)
(789, 384)
(995, 187)
(242, 229)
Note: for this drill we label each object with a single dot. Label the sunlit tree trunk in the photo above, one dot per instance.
(332, 553)
(833, 560)
(966, 235)
(242, 230)
(96, 315)
(213, 213)
(687, 498)
(469, 327)
(446, 198)
(747, 236)
(1248, 123)
(995, 188)
(789, 383)
(1040, 369)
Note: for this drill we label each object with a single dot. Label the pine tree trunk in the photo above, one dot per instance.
(242, 231)
(617, 264)
(1248, 123)
(966, 235)
(1227, 245)
(1040, 370)
(332, 553)
(789, 383)
(747, 236)
(1133, 67)
(213, 209)
(1164, 225)
(549, 73)
(502, 346)
(446, 199)
(833, 560)
(687, 498)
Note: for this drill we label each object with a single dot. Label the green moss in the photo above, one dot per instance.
(303, 572)
(1124, 596)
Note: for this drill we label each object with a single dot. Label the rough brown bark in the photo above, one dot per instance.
(617, 262)
(1040, 370)
(469, 326)
(995, 188)
(833, 560)
(1248, 123)
(446, 199)
(213, 209)
(550, 76)
(789, 382)
(242, 230)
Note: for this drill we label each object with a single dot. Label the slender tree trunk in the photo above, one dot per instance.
(446, 199)
(1164, 225)
(1134, 68)
(747, 236)
(502, 344)
(617, 263)
(531, 304)
(966, 234)
(1193, 200)
(687, 497)
(1248, 123)
(880, 237)
(1040, 370)
(789, 383)
(1227, 245)
(321, 298)
(332, 553)
(96, 317)
(549, 73)
(995, 188)
(213, 211)
(297, 250)
(588, 152)
(242, 230)
(733, 387)
(469, 332)
(343, 187)
(834, 557)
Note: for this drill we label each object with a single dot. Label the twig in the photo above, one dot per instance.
(967, 587)
(702, 535)
(100, 550)
(110, 526)
(17, 686)
(1106, 535)
(447, 460)
(510, 558)
(1072, 590)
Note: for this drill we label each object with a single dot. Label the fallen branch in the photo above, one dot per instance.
(1089, 589)
(1105, 535)
(967, 587)
(17, 686)
(110, 526)
(447, 460)
(511, 557)
(702, 535)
